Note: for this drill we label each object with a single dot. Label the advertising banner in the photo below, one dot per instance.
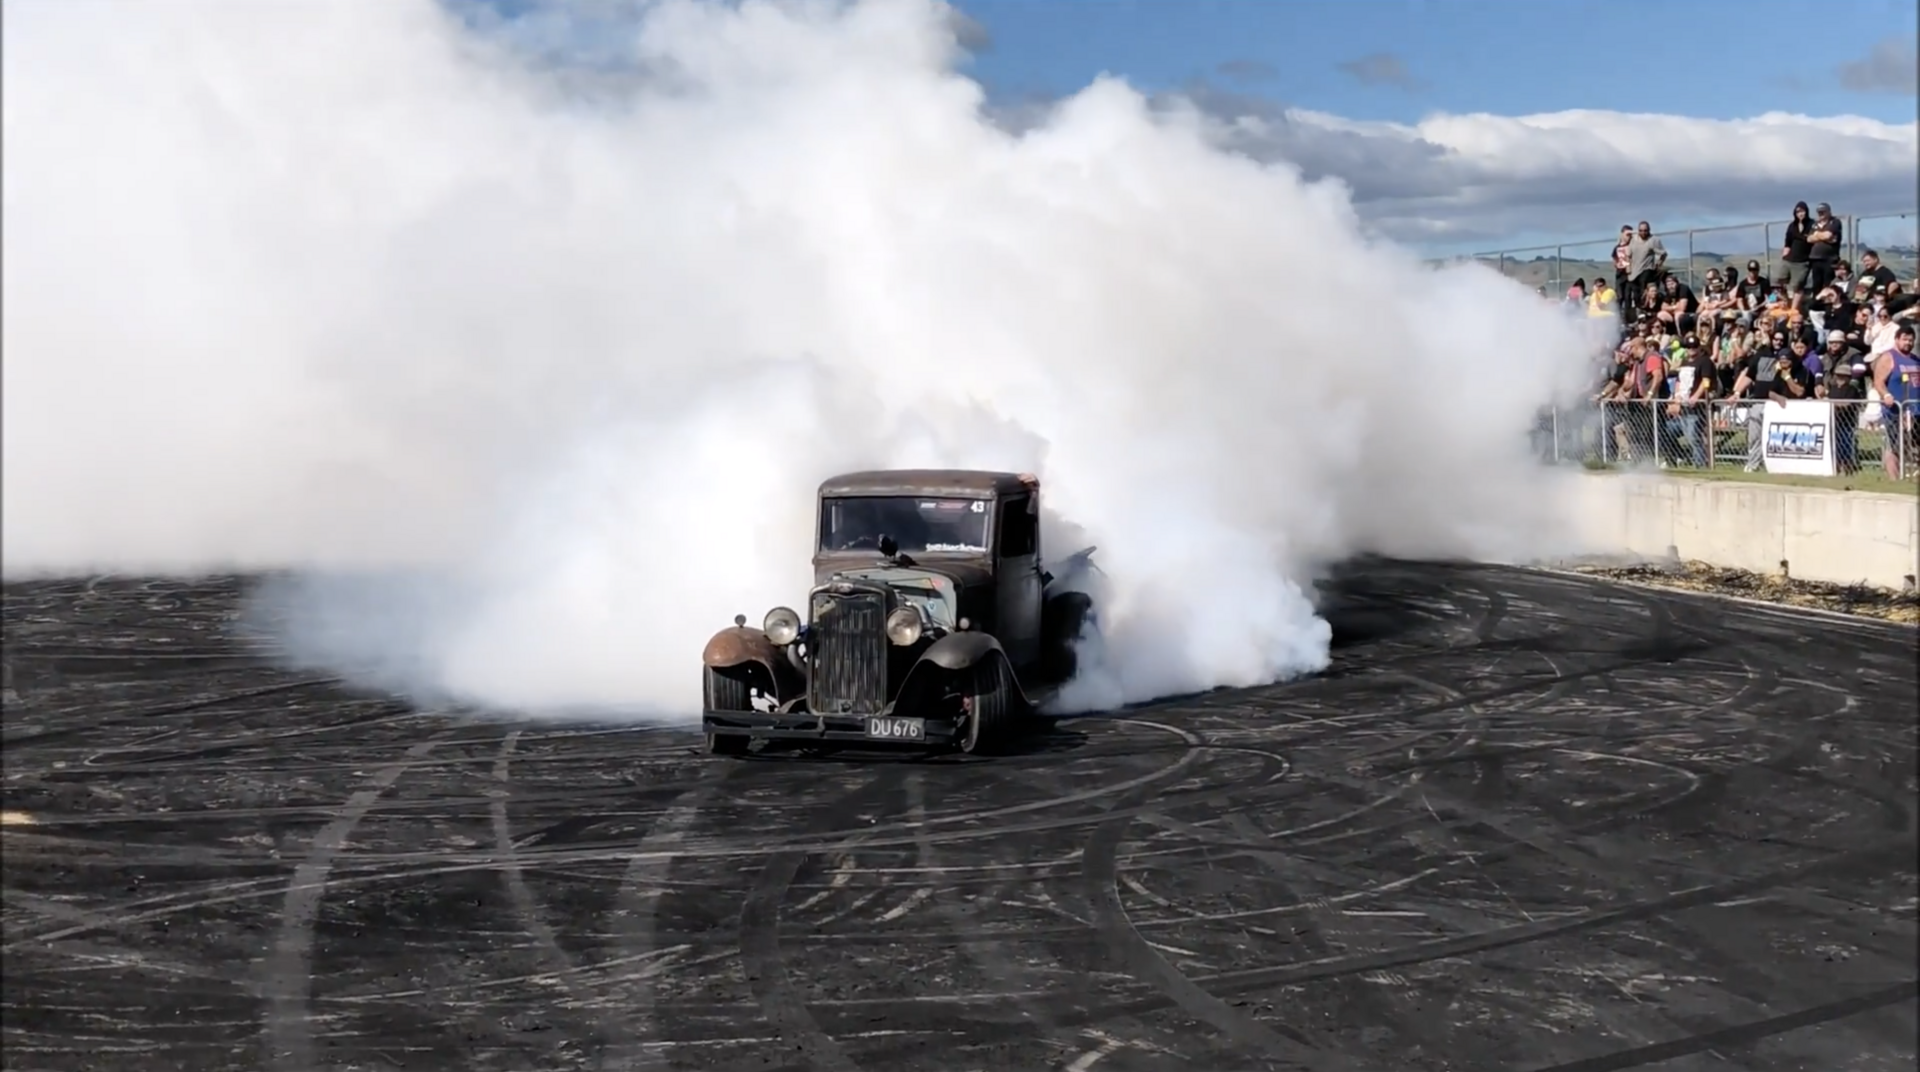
(1798, 437)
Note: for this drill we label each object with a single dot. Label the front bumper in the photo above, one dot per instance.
(839, 729)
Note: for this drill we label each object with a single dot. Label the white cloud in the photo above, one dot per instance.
(1486, 178)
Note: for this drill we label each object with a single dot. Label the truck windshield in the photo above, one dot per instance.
(916, 524)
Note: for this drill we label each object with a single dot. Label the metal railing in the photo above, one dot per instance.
(1731, 435)
(1895, 236)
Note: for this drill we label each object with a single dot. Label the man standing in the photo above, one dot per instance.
(1771, 375)
(1647, 258)
(1622, 273)
(1896, 376)
(1845, 388)
(1689, 412)
(1823, 247)
(1794, 251)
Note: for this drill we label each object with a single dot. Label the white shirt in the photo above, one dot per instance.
(1880, 338)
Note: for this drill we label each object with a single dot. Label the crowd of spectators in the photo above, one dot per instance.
(1820, 327)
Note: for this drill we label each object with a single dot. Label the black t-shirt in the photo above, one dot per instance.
(1770, 371)
(1796, 243)
(1752, 291)
(1693, 371)
(1680, 293)
(1880, 276)
(1840, 315)
(1826, 251)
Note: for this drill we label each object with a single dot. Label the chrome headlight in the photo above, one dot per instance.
(903, 626)
(782, 626)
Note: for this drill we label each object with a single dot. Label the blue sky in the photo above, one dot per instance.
(1409, 102)
(1707, 58)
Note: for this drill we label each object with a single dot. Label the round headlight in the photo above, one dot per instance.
(903, 626)
(782, 626)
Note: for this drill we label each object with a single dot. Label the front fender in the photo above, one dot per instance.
(740, 645)
(957, 651)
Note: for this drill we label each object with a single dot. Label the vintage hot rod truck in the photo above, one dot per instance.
(932, 621)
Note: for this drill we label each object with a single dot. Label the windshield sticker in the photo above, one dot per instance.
(955, 547)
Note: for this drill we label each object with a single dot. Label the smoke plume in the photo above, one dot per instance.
(516, 350)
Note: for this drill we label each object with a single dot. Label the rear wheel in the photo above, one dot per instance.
(728, 690)
(990, 707)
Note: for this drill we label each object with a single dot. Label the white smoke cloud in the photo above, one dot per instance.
(529, 390)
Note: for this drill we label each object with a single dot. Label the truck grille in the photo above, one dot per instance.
(847, 647)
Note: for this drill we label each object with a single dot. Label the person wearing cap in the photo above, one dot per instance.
(1678, 306)
(1823, 247)
(1720, 305)
(1795, 249)
(1771, 375)
(1751, 292)
(1844, 386)
(1896, 379)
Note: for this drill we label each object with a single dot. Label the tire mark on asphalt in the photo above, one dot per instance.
(760, 942)
(1071, 1011)
(1387, 1007)
(1741, 1034)
(183, 707)
(637, 908)
(607, 1027)
(1518, 934)
(1145, 963)
(288, 976)
(983, 950)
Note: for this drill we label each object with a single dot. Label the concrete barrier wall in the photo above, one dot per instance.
(1844, 537)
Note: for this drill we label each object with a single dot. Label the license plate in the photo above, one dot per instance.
(897, 729)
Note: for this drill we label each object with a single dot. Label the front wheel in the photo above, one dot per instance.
(990, 711)
(727, 744)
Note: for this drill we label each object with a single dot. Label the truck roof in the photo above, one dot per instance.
(972, 483)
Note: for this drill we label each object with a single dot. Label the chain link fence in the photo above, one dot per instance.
(1729, 435)
(1692, 252)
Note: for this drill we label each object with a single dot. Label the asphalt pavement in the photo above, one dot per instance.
(1526, 821)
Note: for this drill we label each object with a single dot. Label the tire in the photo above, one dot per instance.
(727, 692)
(992, 703)
(727, 744)
(1064, 623)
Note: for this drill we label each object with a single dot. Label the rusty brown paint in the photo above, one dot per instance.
(739, 644)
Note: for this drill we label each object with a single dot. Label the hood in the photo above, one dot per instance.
(935, 589)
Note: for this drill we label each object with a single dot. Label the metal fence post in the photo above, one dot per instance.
(1768, 262)
(1689, 257)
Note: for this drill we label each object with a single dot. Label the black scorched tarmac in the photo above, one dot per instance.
(1524, 822)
